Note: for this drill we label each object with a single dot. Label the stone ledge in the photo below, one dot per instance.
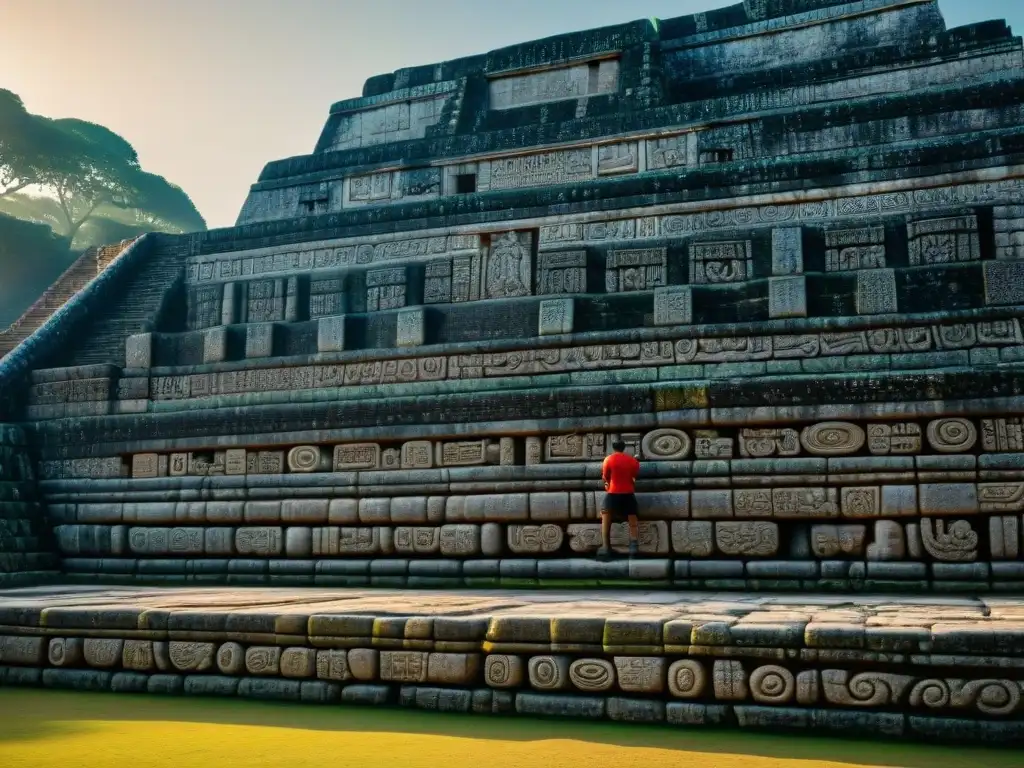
(868, 664)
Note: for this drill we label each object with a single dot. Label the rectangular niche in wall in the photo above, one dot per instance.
(943, 241)
(642, 269)
(729, 262)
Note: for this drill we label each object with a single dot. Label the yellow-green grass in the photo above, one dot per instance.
(79, 730)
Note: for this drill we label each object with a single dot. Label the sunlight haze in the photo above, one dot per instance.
(209, 91)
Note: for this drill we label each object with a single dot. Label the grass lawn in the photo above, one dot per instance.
(80, 730)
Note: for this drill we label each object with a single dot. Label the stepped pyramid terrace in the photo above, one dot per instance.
(349, 450)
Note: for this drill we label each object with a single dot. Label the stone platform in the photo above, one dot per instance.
(948, 668)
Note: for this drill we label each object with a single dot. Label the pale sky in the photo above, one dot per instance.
(209, 91)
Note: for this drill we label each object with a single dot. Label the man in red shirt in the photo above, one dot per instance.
(619, 472)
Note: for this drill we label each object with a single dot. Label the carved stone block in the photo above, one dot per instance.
(832, 438)
(308, 458)
(730, 681)
(555, 317)
(876, 292)
(890, 542)
(805, 503)
(1002, 435)
(725, 262)
(330, 335)
(356, 456)
(263, 661)
(145, 465)
(751, 539)
(1004, 537)
(298, 662)
(534, 539)
(666, 445)
(1004, 282)
(618, 158)
(787, 297)
(411, 328)
(952, 435)
(549, 673)
(851, 249)
(403, 666)
(102, 653)
(417, 540)
(829, 541)
(693, 538)
(687, 679)
(955, 542)
(385, 289)
(666, 153)
(562, 272)
(636, 270)
(416, 454)
(138, 351)
(503, 671)
(865, 689)
(259, 340)
(752, 502)
(332, 665)
(895, 439)
(861, 501)
(235, 462)
(787, 252)
(772, 684)
(508, 270)
(215, 345)
(641, 674)
(673, 305)
(713, 447)
(460, 540)
(260, 541)
(468, 453)
(943, 241)
(764, 443)
(575, 447)
(191, 657)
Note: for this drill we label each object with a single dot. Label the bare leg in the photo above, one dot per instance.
(634, 535)
(606, 534)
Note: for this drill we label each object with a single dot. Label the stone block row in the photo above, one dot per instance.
(636, 687)
(949, 447)
(938, 539)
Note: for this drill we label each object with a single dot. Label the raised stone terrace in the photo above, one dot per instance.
(776, 248)
(938, 668)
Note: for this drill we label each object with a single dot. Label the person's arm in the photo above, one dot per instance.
(604, 474)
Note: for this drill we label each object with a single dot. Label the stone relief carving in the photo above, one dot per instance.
(509, 269)
(721, 262)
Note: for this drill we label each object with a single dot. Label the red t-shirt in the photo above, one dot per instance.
(619, 472)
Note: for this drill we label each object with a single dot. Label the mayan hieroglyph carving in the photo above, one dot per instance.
(852, 249)
(635, 270)
(721, 262)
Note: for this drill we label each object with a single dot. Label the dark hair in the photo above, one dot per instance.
(618, 445)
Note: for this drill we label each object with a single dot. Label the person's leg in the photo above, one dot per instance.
(606, 533)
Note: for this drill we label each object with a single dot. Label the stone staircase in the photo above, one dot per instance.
(74, 279)
(135, 310)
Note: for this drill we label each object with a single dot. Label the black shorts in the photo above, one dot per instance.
(619, 505)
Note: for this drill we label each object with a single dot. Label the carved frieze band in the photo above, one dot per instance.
(686, 351)
(555, 235)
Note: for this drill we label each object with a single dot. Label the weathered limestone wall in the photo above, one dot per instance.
(26, 551)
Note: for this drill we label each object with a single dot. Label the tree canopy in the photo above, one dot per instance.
(85, 184)
(80, 172)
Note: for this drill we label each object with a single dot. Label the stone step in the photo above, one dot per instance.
(868, 664)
